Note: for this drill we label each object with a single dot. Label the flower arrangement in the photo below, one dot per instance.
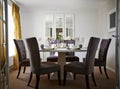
(59, 37)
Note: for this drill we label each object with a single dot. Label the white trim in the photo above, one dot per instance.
(108, 16)
(111, 69)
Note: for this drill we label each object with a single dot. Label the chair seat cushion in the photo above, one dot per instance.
(52, 58)
(68, 58)
(25, 62)
(99, 62)
(49, 67)
(75, 67)
(71, 58)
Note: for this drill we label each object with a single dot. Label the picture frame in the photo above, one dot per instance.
(111, 20)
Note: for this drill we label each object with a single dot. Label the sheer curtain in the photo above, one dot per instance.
(17, 29)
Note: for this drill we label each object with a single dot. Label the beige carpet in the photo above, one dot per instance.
(79, 83)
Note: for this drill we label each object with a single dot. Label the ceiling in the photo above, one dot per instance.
(59, 4)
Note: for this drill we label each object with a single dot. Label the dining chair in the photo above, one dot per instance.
(37, 67)
(84, 68)
(22, 57)
(102, 56)
(52, 57)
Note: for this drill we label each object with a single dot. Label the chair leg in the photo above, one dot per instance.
(31, 74)
(100, 69)
(37, 81)
(74, 76)
(106, 72)
(19, 71)
(24, 69)
(65, 75)
(87, 81)
(59, 77)
(48, 76)
(93, 78)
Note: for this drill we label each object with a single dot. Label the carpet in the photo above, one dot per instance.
(79, 83)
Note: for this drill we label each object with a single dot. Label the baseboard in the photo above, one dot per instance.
(11, 68)
(113, 70)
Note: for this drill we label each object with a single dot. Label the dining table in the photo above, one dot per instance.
(61, 58)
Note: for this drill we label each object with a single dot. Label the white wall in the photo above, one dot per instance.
(103, 31)
(85, 27)
(88, 22)
(85, 24)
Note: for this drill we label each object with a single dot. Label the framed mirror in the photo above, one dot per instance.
(111, 20)
(59, 26)
(69, 29)
(49, 26)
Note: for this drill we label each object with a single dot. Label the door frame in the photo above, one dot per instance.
(117, 46)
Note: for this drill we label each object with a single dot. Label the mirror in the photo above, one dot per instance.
(49, 25)
(69, 26)
(59, 26)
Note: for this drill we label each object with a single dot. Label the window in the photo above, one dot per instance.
(10, 32)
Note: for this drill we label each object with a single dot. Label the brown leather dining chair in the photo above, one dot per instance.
(87, 67)
(37, 67)
(102, 55)
(23, 60)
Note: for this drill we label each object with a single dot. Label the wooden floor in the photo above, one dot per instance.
(79, 83)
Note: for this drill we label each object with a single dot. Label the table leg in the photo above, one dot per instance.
(61, 62)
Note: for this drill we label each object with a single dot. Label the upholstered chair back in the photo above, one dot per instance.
(20, 49)
(69, 42)
(90, 56)
(104, 49)
(35, 59)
